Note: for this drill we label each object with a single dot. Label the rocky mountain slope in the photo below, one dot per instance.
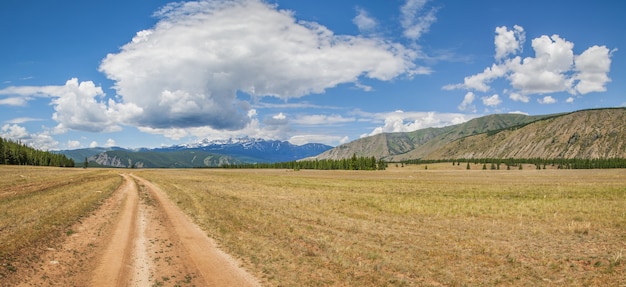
(418, 144)
(589, 134)
(583, 134)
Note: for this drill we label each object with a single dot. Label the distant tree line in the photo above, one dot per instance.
(353, 163)
(15, 153)
(540, 163)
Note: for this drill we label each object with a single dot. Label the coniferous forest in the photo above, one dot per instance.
(540, 163)
(15, 153)
(353, 163)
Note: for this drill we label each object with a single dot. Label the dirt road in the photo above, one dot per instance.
(137, 238)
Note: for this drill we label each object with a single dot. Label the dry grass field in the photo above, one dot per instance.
(39, 204)
(406, 226)
(412, 227)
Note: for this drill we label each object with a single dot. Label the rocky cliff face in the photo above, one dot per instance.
(105, 159)
(113, 161)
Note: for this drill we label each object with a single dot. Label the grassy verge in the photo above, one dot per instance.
(409, 227)
(39, 204)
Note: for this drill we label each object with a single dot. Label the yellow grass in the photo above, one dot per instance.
(406, 226)
(413, 227)
(39, 204)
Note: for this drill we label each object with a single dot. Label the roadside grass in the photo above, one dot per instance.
(39, 204)
(412, 227)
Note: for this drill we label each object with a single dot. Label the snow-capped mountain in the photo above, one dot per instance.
(256, 150)
(203, 153)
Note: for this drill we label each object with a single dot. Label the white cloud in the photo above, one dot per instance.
(593, 66)
(519, 97)
(78, 106)
(14, 101)
(554, 68)
(14, 132)
(508, 41)
(35, 91)
(415, 20)
(546, 100)
(570, 100)
(492, 101)
(364, 21)
(479, 81)
(363, 87)
(548, 71)
(22, 120)
(73, 144)
(172, 133)
(272, 129)
(110, 143)
(519, 113)
(185, 71)
(467, 104)
(181, 77)
(93, 144)
(42, 141)
(322, 119)
(279, 116)
(400, 121)
(279, 119)
(324, 139)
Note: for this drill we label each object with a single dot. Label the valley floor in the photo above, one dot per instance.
(414, 225)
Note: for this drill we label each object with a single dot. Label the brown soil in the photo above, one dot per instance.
(137, 238)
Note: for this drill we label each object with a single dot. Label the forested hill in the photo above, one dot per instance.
(19, 154)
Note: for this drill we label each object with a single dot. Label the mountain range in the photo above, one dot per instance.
(587, 134)
(206, 153)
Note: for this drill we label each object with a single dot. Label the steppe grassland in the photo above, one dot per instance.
(410, 226)
(38, 204)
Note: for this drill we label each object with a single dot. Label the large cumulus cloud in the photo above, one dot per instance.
(186, 70)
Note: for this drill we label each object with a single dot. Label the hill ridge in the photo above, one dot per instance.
(585, 134)
(428, 143)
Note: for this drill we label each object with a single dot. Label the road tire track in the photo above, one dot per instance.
(215, 267)
(138, 237)
(114, 265)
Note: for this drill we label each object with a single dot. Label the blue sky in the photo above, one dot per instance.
(145, 73)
